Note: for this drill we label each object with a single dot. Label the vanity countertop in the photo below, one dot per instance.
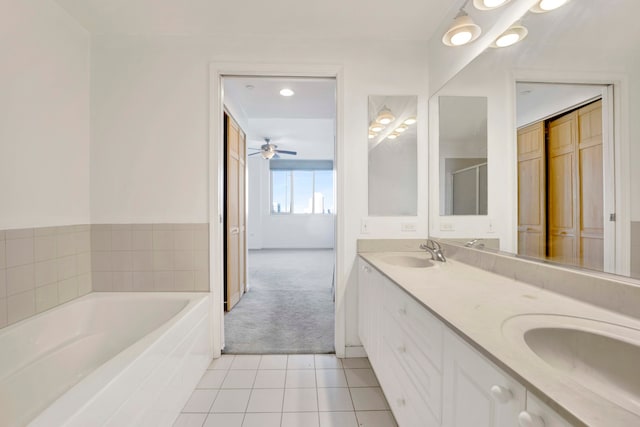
(476, 304)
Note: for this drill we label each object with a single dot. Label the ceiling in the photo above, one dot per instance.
(334, 19)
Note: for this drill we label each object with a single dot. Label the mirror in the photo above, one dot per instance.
(393, 148)
(584, 52)
(463, 155)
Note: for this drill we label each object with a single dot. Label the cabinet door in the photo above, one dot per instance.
(536, 410)
(475, 392)
(369, 308)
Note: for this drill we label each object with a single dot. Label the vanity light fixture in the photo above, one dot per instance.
(410, 121)
(392, 135)
(401, 128)
(287, 92)
(489, 4)
(376, 127)
(385, 116)
(462, 31)
(546, 5)
(512, 36)
(372, 135)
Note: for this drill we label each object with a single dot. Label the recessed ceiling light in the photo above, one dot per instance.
(489, 4)
(512, 36)
(462, 31)
(546, 5)
(376, 127)
(410, 121)
(287, 92)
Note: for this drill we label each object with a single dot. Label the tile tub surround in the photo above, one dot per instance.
(635, 249)
(41, 268)
(150, 257)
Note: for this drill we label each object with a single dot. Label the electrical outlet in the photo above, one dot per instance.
(408, 226)
(364, 226)
(447, 226)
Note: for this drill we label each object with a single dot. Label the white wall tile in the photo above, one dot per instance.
(141, 240)
(183, 260)
(67, 267)
(184, 280)
(20, 279)
(142, 281)
(122, 261)
(45, 248)
(162, 260)
(3, 312)
(82, 241)
(46, 272)
(19, 252)
(183, 240)
(142, 261)
(21, 306)
(67, 289)
(3, 258)
(102, 281)
(121, 239)
(20, 233)
(162, 240)
(84, 284)
(122, 281)
(100, 239)
(3, 283)
(163, 281)
(66, 244)
(46, 297)
(83, 263)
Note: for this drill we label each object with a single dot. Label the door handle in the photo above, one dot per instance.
(235, 230)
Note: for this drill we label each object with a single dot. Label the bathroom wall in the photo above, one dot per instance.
(44, 158)
(150, 126)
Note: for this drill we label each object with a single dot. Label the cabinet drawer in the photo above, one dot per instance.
(425, 330)
(405, 401)
(418, 369)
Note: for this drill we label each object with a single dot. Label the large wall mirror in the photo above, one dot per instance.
(562, 139)
(393, 148)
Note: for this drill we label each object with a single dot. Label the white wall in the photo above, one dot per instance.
(44, 116)
(150, 100)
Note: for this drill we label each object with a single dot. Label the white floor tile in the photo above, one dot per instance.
(331, 378)
(327, 361)
(239, 379)
(231, 401)
(266, 400)
(300, 419)
(245, 361)
(301, 361)
(300, 400)
(376, 419)
(224, 420)
(222, 363)
(338, 419)
(334, 399)
(261, 420)
(355, 362)
(301, 378)
(270, 379)
(190, 420)
(361, 378)
(368, 399)
(212, 379)
(200, 401)
(273, 361)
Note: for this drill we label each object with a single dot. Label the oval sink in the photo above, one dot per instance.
(411, 261)
(600, 356)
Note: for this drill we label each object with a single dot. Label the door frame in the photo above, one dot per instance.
(217, 70)
(615, 125)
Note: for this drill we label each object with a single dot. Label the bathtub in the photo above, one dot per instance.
(106, 359)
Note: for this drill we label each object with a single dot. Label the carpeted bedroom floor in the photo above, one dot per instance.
(289, 305)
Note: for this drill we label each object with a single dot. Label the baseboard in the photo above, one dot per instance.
(355, 351)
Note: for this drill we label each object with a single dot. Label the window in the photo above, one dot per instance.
(302, 187)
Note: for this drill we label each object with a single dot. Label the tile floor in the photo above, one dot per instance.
(287, 391)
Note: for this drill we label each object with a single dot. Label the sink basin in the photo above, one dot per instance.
(600, 356)
(411, 261)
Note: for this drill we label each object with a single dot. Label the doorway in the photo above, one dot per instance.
(286, 304)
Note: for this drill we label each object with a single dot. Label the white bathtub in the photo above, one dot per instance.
(106, 359)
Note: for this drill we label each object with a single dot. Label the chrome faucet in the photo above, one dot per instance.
(434, 249)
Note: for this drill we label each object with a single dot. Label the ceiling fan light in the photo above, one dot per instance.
(410, 121)
(385, 116)
(267, 155)
(462, 31)
(489, 4)
(376, 127)
(510, 37)
(547, 5)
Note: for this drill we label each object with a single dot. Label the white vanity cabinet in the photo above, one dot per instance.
(430, 376)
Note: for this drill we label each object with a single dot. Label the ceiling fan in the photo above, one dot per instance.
(269, 150)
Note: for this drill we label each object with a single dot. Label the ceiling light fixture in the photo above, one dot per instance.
(546, 5)
(287, 92)
(376, 127)
(410, 121)
(401, 128)
(489, 4)
(513, 35)
(393, 135)
(385, 116)
(268, 154)
(372, 135)
(462, 31)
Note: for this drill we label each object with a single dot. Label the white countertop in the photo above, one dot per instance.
(476, 303)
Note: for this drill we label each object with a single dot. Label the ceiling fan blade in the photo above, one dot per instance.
(295, 153)
(253, 154)
(251, 148)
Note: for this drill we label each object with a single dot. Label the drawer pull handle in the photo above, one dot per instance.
(365, 268)
(401, 402)
(501, 394)
(402, 311)
(402, 349)
(525, 419)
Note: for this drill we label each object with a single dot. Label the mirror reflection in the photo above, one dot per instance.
(563, 139)
(463, 155)
(393, 147)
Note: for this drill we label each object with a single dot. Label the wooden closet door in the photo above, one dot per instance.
(242, 211)
(532, 203)
(232, 213)
(563, 203)
(591, 184)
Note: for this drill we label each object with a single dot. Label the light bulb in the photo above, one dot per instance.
(489, 4)
(376, 127)
(410, 121)
(512, 36)
(372, 135)
(493, 3)
(461, 38)
(392, 136)
(462, 31)
(507, 40)
(551, 4)
(401, 128)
